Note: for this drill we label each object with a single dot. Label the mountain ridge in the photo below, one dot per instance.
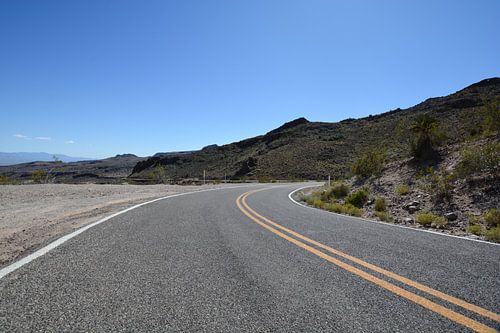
(301, 149)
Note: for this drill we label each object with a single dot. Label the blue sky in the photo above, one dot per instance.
(98, 78)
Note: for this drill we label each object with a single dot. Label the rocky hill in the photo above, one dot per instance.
(301, 149)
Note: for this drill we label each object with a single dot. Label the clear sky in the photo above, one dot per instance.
(98, 78)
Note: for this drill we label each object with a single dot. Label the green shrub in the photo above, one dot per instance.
(475, 229)
(402, 189)
(426, 219)
(384, 216)
(39, 176)
(357, 198)
(158, 174)
(370, 163)
(440, 185)
(493, 234)
(480, 159)
(4, 180)
(352, 210)
(335, 207)
(317, 203)
(492, 217)
(338, 190)
(343, 209)
(491, 112)
(380, 205)
(266, 179)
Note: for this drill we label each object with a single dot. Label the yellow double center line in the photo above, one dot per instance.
(306, 245)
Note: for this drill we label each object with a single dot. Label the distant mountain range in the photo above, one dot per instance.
(299, 149)
(24, 157)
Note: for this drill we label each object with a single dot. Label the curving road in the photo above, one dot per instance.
(248, 259)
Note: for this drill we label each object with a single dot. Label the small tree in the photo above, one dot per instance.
(425, 129)
(159, 174)
(54, 169)
(370, 163)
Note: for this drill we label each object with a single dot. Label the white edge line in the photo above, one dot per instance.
(360, 219)
(18, 264)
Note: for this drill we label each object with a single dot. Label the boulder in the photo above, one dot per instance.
(413, 203)
(408, 220)
(452, 216)
(412, 209)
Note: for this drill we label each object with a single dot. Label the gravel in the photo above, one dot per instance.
(33, 215)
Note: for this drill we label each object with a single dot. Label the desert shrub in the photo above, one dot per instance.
(336, 208)
(266, 179)
(370, 163)
(493, 234)
(475, 229)
(352, 210)
(338, 190)
(4, 180)
(317, 203)
(39, 176)
(402, 189)
(440, 185)
(384, 216)
(158, 174)
(492, 217)
(491, 112)
(357, 198)
(380, 204)
(426, 219)
(426, 137)
(480, 159)
(473, 219)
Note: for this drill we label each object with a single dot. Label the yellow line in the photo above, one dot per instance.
(459, 318)
(468, 306)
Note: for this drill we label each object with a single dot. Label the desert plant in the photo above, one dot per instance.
(402, 189)
(352, 210)
(493, 234)
(485, 158)
(492, 217)
(370, 163)
(427, 136)
(39, 176)
(380, 205)
(440, 185)
(317, 203)
(427, 219)
(357, 198)
(159, 174)
(475, 229)
(266, 179)
(339, 190)
(491, 112)
(384, 216)
(4, 180)
(336, 208)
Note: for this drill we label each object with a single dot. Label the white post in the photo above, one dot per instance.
(329, 180)
(203, 177)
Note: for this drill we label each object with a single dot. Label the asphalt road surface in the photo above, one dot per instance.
(249, 259)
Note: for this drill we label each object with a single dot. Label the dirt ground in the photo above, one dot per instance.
(33, 215)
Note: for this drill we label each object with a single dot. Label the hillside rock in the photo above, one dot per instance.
(301, 149)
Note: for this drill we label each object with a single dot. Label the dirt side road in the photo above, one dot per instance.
(33, 215)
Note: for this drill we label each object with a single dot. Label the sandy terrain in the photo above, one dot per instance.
(33, 215)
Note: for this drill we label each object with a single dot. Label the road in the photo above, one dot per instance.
(249, 259)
